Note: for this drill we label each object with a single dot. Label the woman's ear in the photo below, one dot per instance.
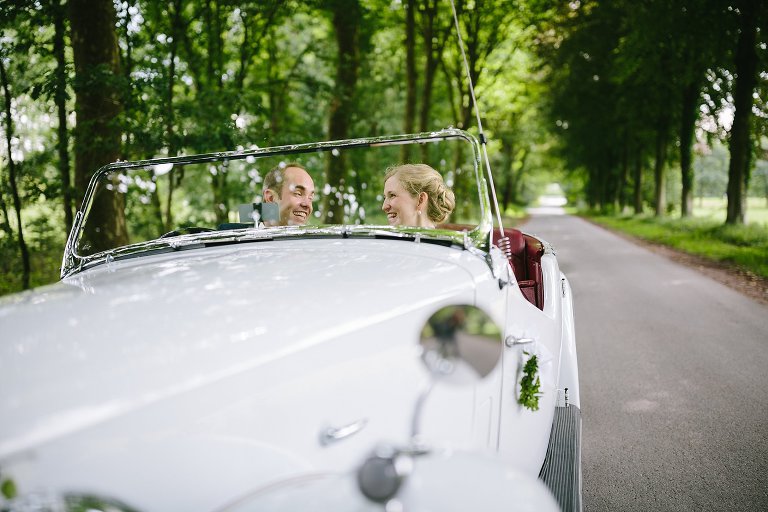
(423, 197)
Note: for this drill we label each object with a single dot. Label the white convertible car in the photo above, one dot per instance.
(195, 357)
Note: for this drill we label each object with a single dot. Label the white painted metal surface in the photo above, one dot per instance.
(180, 381)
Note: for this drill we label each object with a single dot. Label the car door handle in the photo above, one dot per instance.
(330, 435)
(511, 341)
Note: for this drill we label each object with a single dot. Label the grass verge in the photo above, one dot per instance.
(745, 247)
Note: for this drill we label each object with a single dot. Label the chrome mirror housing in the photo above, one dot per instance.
(460, 344)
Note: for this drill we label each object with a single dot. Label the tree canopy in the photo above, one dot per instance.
(611, 98)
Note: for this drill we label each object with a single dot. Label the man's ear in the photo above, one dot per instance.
(270, 196)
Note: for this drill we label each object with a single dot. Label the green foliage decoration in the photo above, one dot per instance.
(8, 489)
(530, 384)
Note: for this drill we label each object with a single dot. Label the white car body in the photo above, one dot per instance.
(186, 380)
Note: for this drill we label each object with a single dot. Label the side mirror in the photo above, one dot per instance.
(460, 344)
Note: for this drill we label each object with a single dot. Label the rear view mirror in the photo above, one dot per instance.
(259, 212)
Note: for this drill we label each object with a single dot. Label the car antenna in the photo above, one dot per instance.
(503, 242)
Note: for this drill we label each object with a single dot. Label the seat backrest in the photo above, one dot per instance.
(526, 264)
(517, 246)
(534, 250)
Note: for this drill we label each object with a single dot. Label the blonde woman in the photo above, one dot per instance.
(416, 195)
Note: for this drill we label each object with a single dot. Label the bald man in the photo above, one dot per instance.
(292, 188)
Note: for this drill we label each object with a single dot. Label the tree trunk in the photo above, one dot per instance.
(427, 31)
(125, 64)
(347, 15)
(765, 188)
(170, 118)
(593, 195)
(739, 144)
(608, 185)
(432, 51)
(472, 49)
(508, 152)
(12, 179)
(638, 184)
(687, 127)
(97, 104)
(410, 74)
(253, 35)
(220, 198)
(275, 88)
(193, 59)
(211, 71)
(660, 197)
(5, 224)
(471, 18)
(215, 70)
(60, 99)
(219, 46)
(518, 170)
(621, 194)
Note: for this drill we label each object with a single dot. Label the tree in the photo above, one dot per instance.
(60, 99)
(695, 49)
(482, 26)
(435, 27)
(12, 174)
(98, 106)
(595, 94)
(740, 144)
(347, 16)
(585, 97)
(410, 73)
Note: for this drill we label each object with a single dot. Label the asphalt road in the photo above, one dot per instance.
(674, 378)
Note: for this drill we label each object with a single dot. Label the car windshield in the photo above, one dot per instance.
(169, 200)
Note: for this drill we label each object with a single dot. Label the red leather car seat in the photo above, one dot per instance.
(526, 264)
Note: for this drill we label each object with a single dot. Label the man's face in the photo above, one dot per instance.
(296, 195)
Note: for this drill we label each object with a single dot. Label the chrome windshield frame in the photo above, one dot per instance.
(477, 237)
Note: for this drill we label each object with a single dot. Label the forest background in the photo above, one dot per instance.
(631, 107)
